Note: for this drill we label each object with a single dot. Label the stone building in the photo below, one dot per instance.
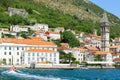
(21, 12)
(105, 33)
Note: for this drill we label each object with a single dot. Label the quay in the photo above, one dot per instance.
(59, 67)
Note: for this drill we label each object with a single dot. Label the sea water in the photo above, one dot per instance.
(60, 74)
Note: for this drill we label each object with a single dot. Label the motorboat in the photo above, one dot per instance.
(13, 69)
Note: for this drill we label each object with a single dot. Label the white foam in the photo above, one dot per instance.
(25, 75)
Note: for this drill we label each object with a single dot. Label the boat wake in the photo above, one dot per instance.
(27, 76)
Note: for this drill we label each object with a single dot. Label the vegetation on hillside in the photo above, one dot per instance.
(69, 37)
(77, 15)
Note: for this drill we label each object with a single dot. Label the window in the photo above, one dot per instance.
(17, 60)
(4, 53)
(17, 53)
(28, 54)
(50, 55)
(9, 60)
(41, 59)
(81, 55)
(9, 48)
(22, 48)
(37, 54)
(38, 59)
(33, 58)
(54, 59)
(9, 53)
(17, 48)
(28, 59)
(22, 54)
(53, 49)
(5, 47)
(46, 54)
(54, 54)
(33, 54)
(28, 62)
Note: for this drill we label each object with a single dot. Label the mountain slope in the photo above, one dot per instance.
(79, 15)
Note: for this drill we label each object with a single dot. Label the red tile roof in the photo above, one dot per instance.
(39, 50)
(92, 48)
(64, 44)
(63, 48)
(26, 41)
(117, 59)
(113, 46)
(100, 53)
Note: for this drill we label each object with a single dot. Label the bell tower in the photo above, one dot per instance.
(105, 29)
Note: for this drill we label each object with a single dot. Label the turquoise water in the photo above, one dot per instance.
(60, 74)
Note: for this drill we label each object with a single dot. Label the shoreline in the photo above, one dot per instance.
(58, 67)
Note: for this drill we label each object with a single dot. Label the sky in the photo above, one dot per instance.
(112, 6)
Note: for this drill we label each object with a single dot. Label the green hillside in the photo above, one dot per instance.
(78, 15)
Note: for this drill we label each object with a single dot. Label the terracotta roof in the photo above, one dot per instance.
(98, 37)
(113, 46)
(101, 52)
(12, 31)
(82, 50)
(39, 50)
(54, 32)
(36, 38)
(92, 48)
(39, 31)
(63, 48)
(117, 59)
(90, 35)
(26, 41)
(114, 54)
(64, 44)
(95, 36)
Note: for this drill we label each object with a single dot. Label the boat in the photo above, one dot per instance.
(13, 69)
(68, 68)
(84, 68)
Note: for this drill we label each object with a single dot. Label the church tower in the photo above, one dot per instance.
(105, 29)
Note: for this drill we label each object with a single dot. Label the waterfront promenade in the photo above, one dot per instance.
(56, 67)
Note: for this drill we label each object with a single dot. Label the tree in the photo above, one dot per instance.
(4, 61)
(30, 11)
(66, 57)
(30, 32)
(24, 36)
(62, 56)
(76, 62)
(71, 57)
(9, 35)
(0, 61)
(98, 58)
(69, 37)
(17, 19)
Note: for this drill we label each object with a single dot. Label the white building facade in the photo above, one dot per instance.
(40, 56)
(12, 50)
(54, 35)
(37, 26)
(18, 28)
(80, 54)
